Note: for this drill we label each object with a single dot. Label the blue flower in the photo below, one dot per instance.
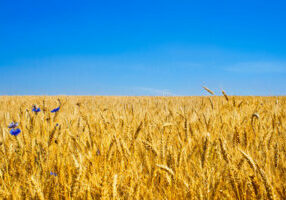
(53, 174)
(55, 110)
(35, 109)
(15, 132)
(13, 125)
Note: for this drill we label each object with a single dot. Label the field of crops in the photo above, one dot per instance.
(143, 148)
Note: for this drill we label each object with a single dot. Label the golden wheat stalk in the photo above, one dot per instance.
(224, 94)
(266, 183)
(150, 147)
(249, 160)
(223, 151)
(114, 186)
(166, 169)
(208, 90)
(205, 148)
(38, 188)
(256, 187)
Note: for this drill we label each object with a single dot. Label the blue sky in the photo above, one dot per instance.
(142, 47)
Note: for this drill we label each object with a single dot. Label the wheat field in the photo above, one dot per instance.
(215, 147)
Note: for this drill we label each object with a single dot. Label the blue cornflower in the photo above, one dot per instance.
(35, 109)
(56, 109)
(15, 132)
(13, 125)
(53, 174)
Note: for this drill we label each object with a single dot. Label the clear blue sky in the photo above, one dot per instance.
(145, 47)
